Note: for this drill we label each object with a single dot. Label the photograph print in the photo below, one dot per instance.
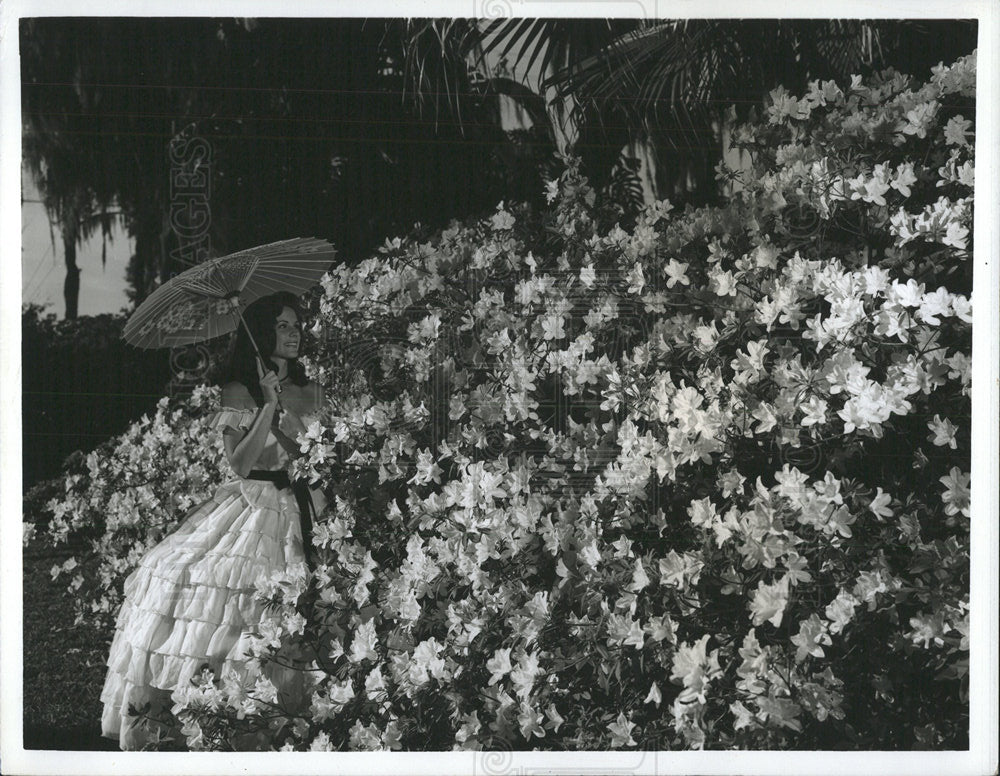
(497, 384)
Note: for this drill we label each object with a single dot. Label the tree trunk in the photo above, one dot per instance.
(71, 286)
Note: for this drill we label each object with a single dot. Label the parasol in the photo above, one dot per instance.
(206, 301)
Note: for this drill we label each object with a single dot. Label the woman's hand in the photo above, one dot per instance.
(269, 384)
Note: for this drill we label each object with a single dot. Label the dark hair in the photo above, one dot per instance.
(261, 317)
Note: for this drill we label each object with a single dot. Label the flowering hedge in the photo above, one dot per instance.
(124, 497)
(701, 482)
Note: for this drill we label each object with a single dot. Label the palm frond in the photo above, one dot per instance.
(435, 55)
(551, 43)
(624, 188)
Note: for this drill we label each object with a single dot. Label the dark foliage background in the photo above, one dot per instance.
(80, 383)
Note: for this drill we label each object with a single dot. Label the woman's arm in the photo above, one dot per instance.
(243, 450)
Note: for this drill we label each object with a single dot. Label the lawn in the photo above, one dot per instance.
(63, 664)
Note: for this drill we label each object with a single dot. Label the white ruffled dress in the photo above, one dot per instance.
(192, 596)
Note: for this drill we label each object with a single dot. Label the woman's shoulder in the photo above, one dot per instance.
(236, 395)
(238, 408)
(315, 391)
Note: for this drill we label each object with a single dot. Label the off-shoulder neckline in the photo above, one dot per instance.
(254, 411)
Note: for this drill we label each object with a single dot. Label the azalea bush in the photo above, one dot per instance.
(689, 480)
(122, 498)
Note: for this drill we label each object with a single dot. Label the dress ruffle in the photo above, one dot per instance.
(233, 418)
(191, 600)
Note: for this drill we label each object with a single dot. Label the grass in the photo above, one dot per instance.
(64, 664)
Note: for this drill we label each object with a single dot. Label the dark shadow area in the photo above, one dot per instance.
(84, 738)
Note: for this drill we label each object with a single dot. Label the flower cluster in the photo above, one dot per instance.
(699, 481)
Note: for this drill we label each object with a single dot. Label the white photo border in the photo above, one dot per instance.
(981, 758)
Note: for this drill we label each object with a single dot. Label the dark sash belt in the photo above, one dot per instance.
(300, 490)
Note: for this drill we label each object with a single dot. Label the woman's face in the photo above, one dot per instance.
(287, 335)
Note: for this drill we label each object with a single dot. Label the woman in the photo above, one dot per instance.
(192, 596)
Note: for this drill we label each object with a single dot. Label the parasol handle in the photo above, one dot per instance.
(253, 342)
